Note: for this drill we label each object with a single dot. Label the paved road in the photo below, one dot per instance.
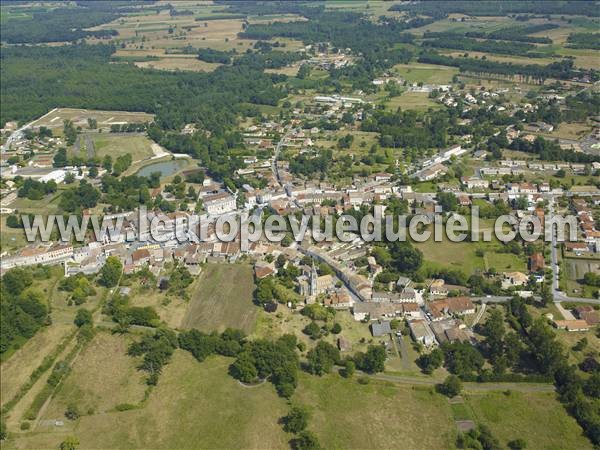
(520, 387)
(276, 156)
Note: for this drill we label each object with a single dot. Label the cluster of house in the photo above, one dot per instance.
(587, 224)
(451, 98)
(328, 58)
(585, 318)
(20, 145)
(519, 167)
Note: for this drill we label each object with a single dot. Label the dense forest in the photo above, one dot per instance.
(214, 56)
(65, 23)
(341, 29)
(496, 8)
(35, 80)
(405, 129)
(23, 308)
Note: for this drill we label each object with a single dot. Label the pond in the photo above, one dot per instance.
(166, 168)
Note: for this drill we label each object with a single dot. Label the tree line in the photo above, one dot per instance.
(458, 42)
(560, 70)
(584, 40)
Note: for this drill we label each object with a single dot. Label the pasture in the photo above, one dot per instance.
(88, 385)
(18, 367)
(222, 298)
(418, 101)
(346, 414)
(536, 417)
(195, 405)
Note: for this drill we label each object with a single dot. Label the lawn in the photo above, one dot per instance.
(505, 262)
(455, 255)
(139, 147)
(346, 414)
(48, 205)
(222, 298)
(536, 417)
(195, 405)
(11, 238)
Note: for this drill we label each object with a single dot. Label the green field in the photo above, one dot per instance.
(347, 414)
(140, 147)
(221, 413)
(418, 101)
(87, 385)
(455, 255)
(195, 405)
(11, 238)
(538, 418)
(426, 73)
(222, 298)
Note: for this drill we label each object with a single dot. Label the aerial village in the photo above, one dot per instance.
(340, 275)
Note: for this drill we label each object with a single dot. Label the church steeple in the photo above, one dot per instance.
(313, 279)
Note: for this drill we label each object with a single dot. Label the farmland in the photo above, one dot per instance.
(222, 298)
(425, 73)
(162, 36)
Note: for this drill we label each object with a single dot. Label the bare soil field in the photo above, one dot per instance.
(79, 117)
(178, 63)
